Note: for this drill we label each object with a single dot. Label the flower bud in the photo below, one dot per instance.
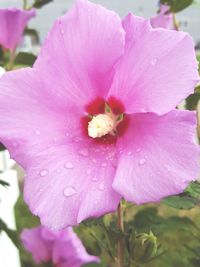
(143, 246)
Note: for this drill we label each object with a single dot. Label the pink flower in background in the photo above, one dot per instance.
(12, 24)
(94, 120)
(63, 248)
(164, 19)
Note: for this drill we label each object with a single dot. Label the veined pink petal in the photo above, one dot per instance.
(68, 250)
(36, 245)
(45, 137)
(81, 50)
(159, 156)
(69, 183)
(34, 117)
(12, 24)
(63, 248)
(158, 69)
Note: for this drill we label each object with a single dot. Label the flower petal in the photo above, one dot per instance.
(164, 19)
(36, 245)
(158, 157)
(158, 69)
(33, 117)
(63, 248)
(68, 250)
(43, 132)
(12, 24)
(80, 51)
(67, 184)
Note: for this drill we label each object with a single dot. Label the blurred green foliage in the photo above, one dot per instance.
(25, 59)
(41, 3)
(177, 5)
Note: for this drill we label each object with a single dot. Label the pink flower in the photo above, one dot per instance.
(94, 120)
(164, 19)
(64, 248)
(12, 24)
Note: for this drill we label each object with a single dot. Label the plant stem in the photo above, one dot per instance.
(120, 244)
(176, 24)
(25, 4)
(11, 59)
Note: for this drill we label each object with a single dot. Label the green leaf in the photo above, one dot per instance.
(147, 219)
(26, 59)
(2, 147)
(24, 219)
(3, 183)
(192, 101)
(193, 189)
(198, 58)
(182, 223)
(93, 222)
(41, 3)
(1, 55)
(180, 201)
(177, 5)
(11, 233)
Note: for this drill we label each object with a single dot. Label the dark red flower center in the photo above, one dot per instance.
(106, 120)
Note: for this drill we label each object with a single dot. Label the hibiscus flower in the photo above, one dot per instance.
(12, 24)
(63, 248)
(95, 119)
(164, 19)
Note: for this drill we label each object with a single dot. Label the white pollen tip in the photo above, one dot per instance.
(100, 125)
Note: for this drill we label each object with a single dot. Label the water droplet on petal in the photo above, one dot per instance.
(94, 160)
(142, 161)
(154, 61)
(37, 132)
(88, 172)
(68, 165)
(138, 149)
(104, 164)
(69, 191)
(58, 170)
(101, 186)
(84, 152)
(94, 179)
(77, 139)
(168, 168)
(43, 173)
(129, 153)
